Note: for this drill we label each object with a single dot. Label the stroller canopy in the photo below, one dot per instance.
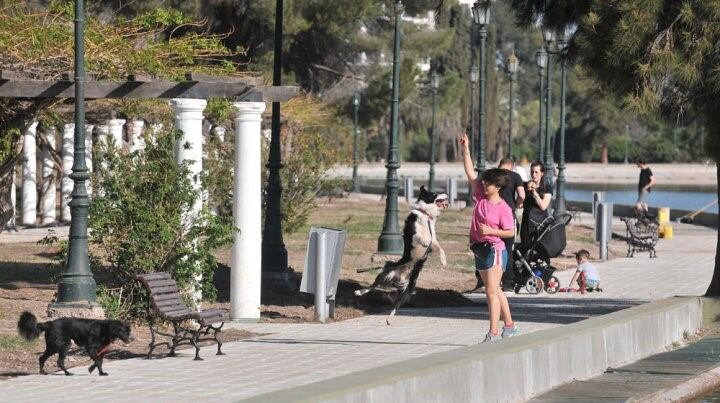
(548, 239)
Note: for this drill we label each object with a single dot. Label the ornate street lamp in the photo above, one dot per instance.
(434, 85)
(390, 241)
(560, 207)
(77, 286)
(541, 60)
(474, 73)
(549, 37)
(274, 253)
(627, 141)
(481, 17)
(356, 106)
(512, 65)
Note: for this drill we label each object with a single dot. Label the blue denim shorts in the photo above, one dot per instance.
(492, 259)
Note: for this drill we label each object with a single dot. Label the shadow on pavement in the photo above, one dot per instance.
(536, 309)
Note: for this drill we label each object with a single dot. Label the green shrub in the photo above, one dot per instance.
(141, 221)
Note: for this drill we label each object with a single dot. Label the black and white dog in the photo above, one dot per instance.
(420, 240)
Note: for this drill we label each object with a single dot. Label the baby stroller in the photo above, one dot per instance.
(532, 259)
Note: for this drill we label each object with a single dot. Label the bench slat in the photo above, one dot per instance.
(154, 276)
(169, 302)
(165, 297)
(164, 290)
(174, 310)
(170, 308)
(160, 283)
(177, 315)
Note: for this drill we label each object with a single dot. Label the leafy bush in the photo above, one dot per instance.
(141, 220)
(308, 151)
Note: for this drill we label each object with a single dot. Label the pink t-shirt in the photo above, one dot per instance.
(494, 215)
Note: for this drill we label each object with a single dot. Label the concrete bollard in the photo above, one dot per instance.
(321, 311)
(603, 227)
(597, 197)
(409, 190)
(451, 190)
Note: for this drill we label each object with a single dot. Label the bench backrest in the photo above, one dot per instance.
(164, 294)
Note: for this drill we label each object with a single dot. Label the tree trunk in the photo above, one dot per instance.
(604, 154)
(442, 150)
(714, 287)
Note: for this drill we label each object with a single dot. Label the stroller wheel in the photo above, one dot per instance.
(553, 285)
(534, 285)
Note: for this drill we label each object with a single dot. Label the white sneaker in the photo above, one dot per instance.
(491, 337)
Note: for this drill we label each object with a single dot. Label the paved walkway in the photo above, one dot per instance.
(31, 234)
(291, 355)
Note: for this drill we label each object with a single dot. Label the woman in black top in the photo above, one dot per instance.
(537, 201)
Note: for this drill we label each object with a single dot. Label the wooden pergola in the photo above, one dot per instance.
(200, 86)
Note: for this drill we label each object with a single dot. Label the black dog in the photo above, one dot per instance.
(94, 335)
(419, 240)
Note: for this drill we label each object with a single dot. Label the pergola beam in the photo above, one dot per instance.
(144, 89)
(14, 84)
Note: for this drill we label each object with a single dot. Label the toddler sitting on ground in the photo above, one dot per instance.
(586, 275)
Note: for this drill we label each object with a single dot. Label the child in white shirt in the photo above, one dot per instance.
(586, 275)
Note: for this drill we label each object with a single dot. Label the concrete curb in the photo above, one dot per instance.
(514, 369)
(688, 390)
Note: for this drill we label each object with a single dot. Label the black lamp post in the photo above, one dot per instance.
(481, 16)
(627, 141)
(560, 207)
(549, 36)
(356, 106)
(434, 84)
(512, 65)
(77, 284)
(474, 73)
(390, 241)
(274, 253)
(541, 59)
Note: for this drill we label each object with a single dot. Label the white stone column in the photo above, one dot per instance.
(29, 176)
(155, 130)
(66, 184)
(219, 132)
(13, 198)
(188, 149)
(245, 274)
(115, 129)
(89, 157)
(49, 187)
(135, 133)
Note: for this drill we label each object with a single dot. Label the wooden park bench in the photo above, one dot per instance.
(640, 235)
(166, 304)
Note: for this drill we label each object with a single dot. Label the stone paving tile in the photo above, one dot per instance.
(291, 355)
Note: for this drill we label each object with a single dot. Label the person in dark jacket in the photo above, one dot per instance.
(537, 201)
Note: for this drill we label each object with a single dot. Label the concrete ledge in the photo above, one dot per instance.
(514, 369)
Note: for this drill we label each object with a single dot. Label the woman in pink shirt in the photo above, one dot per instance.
(492, 221)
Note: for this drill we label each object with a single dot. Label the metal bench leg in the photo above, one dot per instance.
(215, 335)
(174, 340)
(152, 339)
(193, 340)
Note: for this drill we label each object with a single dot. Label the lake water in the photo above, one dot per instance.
(691, 197)
(683, 198)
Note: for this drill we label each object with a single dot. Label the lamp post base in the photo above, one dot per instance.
(76, 309)
(390, 244)
(276, 275)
